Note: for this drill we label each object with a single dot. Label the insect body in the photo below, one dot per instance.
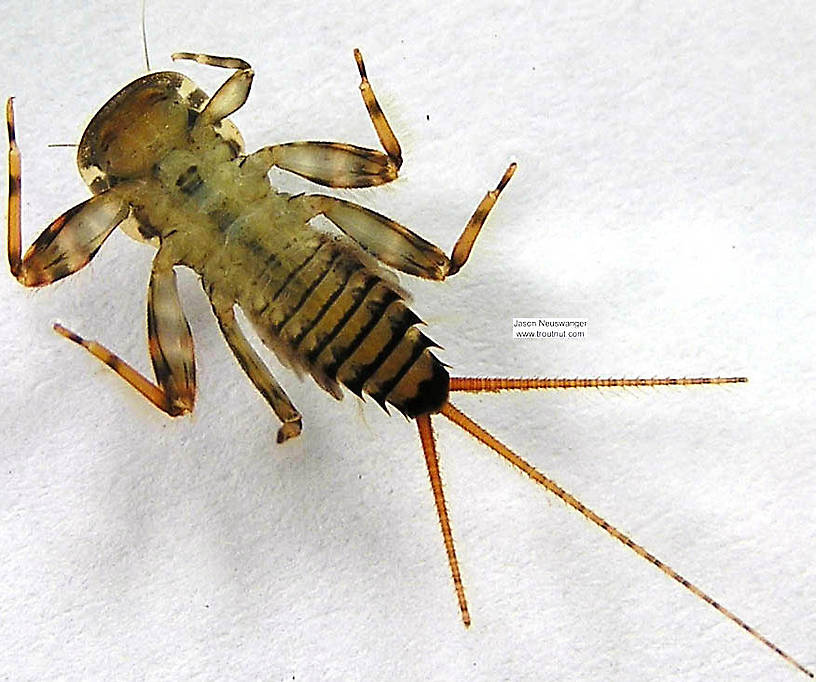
(165, 163)
(161, 155)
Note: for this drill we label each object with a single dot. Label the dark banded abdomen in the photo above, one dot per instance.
(322, 309)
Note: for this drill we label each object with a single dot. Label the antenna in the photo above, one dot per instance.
(144, 36)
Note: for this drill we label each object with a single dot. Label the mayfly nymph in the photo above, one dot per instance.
(164, 162)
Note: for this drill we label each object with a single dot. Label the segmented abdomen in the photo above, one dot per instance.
(318, 306)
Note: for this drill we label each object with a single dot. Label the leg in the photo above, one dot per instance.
(211, 60)
(170, 344)
(67, 244)
(387, 138)
(260, 375)
(398, 246)
(334, 164)
(231, 95)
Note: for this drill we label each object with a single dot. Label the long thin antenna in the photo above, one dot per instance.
(466, 424)
(144, 36)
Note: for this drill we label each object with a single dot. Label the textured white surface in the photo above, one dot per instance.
(665, 192)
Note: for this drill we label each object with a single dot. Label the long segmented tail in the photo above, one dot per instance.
(455, 415)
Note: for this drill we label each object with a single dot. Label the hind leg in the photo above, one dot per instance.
(259, 374)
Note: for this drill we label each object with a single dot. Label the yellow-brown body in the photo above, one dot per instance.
(316, 300)
(164, 162)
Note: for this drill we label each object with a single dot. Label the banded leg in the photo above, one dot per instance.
(335, 164)
(231, 95)
(170, 344)
(235, 63)
(387, 138)
(398, 246)
(70, 242)
(259, 373)
(468, 425)
(332, 164)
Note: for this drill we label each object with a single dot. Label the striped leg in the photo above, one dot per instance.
(66, 245)
(398, 246)
(211, 60)
(334, 164)
(259, 373)
(387, 138)
(170, 344)
(231, 95)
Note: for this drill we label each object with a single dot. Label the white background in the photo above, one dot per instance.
(665, 192)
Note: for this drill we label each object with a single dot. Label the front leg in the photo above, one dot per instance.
(231, 96)
(67, 244)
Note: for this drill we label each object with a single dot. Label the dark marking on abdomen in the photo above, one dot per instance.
(345, 324)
